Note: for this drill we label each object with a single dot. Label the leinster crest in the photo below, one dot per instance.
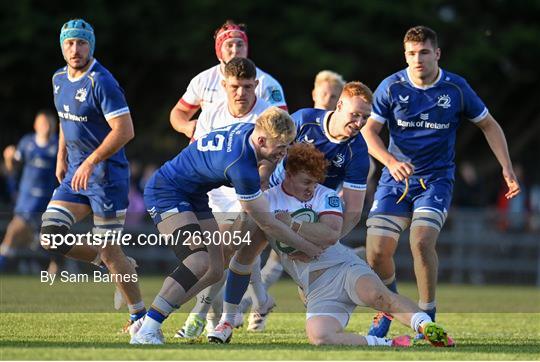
(81, 95)
(444, 101)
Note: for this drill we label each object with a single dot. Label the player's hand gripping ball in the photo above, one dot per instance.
(300, 215)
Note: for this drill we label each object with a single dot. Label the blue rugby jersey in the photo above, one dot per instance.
(422, 121)
(349, 160)
(223, 157)
(84, 105)
(38, 174)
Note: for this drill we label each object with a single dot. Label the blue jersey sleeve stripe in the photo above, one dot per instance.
(117, 113)
(378, 118)
(249, 197)
(349, 185)
(481, 116)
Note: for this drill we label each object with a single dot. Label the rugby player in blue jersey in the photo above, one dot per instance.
(176, 198)
(36, 152)
(421, 106)
(92, 168)
(337, 135)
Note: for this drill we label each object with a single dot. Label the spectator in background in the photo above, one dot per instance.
(469, 190)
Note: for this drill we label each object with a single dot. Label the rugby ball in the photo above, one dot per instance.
(303, 214)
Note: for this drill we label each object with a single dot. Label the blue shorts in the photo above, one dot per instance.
(437, 195)
(30, 208)
(162, 199)
(105, 199)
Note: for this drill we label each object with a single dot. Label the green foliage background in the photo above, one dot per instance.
(155, 47)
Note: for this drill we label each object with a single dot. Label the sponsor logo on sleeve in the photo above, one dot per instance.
(276, 96)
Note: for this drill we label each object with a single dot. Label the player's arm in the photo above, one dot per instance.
(10, 161)
(497, 142)
(180, 118)
(324, 233)
(265, 171)
(258, 210)
(354, 203)
(399, 170)
(61, 157)
(121, 133)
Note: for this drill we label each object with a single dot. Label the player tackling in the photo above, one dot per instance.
(338, 280)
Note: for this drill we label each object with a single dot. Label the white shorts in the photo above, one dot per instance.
(224, 204)
(334, 294)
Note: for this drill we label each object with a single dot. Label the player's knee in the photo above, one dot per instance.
(52, 238)
(378, 254)
(56, 222)
(423, 245)
(377, 298)
(320, 337)
(111, 254)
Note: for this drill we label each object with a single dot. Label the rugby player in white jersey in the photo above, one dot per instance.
(205, 89)
(337, 281)
(240, 106)
(327, 88)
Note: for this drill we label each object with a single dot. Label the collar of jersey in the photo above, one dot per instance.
(325, 124)
(73, 80)
(439, 77)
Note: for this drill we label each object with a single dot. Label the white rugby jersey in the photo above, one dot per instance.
(216, 116)
(324, 201)
(206, 89)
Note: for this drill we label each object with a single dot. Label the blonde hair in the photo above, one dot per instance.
(277, 125)
(357, 89)
(330, 77)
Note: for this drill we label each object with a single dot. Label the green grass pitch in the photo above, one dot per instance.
(76, 321)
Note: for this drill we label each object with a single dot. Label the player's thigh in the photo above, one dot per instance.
(387, 219)
(78, 210)
(176, 221)
(109, 200)
(430, 212)
(320, 328)
(65, 197)
(371, 292)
